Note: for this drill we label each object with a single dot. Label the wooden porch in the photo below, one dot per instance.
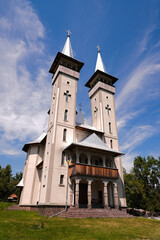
(92, 171)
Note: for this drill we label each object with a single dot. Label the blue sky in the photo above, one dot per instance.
(31, 34)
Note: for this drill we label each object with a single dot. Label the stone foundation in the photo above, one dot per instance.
(49, 210)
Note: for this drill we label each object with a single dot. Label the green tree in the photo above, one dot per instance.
(142, 184)
(5, 178)
(8, 183)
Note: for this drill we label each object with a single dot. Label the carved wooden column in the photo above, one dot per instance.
(89, 194)
(104, 164)
(77, 193)
(105, 195)
(115, 195)
(89, 158)
(77, 156)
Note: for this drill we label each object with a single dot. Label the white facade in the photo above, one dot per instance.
(95, 178)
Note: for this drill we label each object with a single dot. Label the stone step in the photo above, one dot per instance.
(93, 213)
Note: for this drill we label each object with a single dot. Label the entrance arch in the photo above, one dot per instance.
(83, 158)
(97, 189)
(96, 160)
(83, 194)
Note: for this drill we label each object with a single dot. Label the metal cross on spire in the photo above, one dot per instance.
(98, 47)
(99, 64)
(69, 32)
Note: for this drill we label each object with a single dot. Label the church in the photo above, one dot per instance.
(76, 164)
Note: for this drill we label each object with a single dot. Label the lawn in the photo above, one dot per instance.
(21, 225)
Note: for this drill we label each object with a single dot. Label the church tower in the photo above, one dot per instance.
(101, 95)
(61, 125)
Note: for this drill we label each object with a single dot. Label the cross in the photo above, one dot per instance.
(80, 107)
(67, 95)
(68, 31)
(95, 111)
(98, 48)
(108, 109)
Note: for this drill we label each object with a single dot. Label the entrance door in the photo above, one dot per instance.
(100, 197)
(83, 194)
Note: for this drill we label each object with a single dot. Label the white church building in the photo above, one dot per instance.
(76, 164)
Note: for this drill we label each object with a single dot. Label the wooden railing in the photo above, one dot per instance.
(92, 171)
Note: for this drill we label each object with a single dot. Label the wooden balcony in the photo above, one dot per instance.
(79, 169)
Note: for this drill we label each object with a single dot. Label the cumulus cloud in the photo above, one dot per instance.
(138, 79)
(25, 94)
(136, 135)
(128, 159)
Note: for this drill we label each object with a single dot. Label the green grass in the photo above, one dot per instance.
(21, 225)
(4, 205)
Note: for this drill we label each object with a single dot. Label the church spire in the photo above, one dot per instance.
(99, 64)
(67, 50)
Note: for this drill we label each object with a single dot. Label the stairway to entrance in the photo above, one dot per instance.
(94, 213)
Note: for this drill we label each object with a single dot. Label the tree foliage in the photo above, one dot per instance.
(142, 184)
(8, 183)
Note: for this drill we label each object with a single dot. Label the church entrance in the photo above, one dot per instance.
(97, 194)
(83, 195)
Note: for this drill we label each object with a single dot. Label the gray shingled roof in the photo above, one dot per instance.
(38, 140)
(81, 121)
(93, 141)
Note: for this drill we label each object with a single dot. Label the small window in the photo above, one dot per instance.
(111, 143)
(65, 115)
(61, 179)
(68, 82)
(110, 131)
(64, 134)
(62, 159)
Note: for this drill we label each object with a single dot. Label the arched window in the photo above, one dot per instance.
(83, 158)
(110, 131)
(111, 143)
(65, 114)
(64, 134)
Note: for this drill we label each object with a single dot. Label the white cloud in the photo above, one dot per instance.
(138, 79)
(128, 159)
(146, 38)
(136, 135)
(24, 94)
(125, 117)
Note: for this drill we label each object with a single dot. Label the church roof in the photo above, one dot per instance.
(94, 142)
(66, 58)
(82, 122)
(38, 140)
(99, 64)
(100, 76)
(20, 184)
(80, 119)
(67, 50)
